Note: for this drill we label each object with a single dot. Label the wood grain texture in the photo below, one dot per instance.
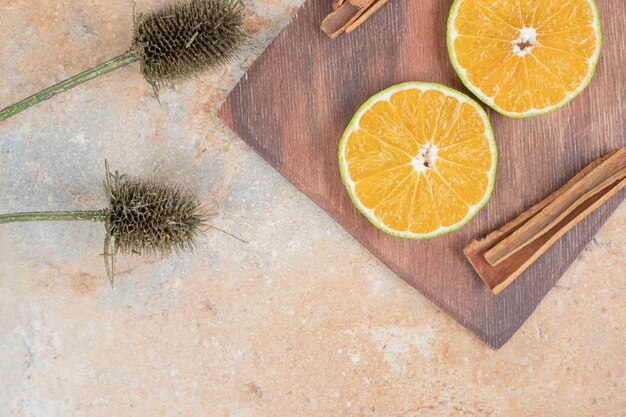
(295, 101)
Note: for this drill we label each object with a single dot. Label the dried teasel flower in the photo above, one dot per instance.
(176, 42)
(144, 217)
(150, 218)
(173, 43)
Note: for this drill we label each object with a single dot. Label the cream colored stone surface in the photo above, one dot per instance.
(302, 321)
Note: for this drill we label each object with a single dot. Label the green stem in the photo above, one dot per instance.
(94, 216)
(108, 66)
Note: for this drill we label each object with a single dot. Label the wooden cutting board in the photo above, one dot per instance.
(295, 101)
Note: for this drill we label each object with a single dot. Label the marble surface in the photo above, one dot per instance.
(302, 321)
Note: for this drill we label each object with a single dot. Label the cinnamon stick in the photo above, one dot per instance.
(347, 15)
(365, 15)
(500, 257)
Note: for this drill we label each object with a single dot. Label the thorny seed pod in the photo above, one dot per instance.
(144, 217)
(173, 43)
(176, 42)
(151, 218)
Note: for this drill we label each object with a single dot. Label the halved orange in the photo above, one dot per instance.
(418, 159)
(524, 57)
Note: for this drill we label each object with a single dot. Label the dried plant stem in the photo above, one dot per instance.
(110, 241)
(108, 66)
(228, 234)
(94, 216)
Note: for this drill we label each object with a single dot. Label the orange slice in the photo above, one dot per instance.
(524, 57)
(418, 159)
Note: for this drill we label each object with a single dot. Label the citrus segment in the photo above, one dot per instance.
(450, 208)
(395, 208)
(384, 123)
(410, 101)
(524, 57)
(423, 217)
(372, 155)
(376, 188)
(418, 159)
(469, 124)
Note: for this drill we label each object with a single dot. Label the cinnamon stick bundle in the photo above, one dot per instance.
(347, 15)
(502, 256)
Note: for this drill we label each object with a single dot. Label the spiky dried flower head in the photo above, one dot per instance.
(176, 42)
(146, 217)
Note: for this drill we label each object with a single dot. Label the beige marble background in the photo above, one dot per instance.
(302, 321)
